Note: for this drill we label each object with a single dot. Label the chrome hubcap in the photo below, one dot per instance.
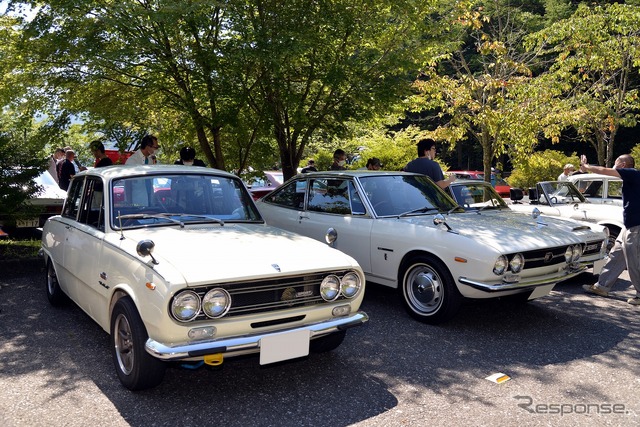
(124, 344)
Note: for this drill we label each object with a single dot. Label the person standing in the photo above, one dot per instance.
(146, 154)
(102, 160)
(374, 164)
(568, 170)
(67, 170)
(339, 160)
(626, 250)
(425, 164)
(311, 167)
(188, 158)
(57, 155)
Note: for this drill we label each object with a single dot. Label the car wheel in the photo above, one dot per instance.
(54, 294)
(328, 343)
(429, 293)
(136, 369)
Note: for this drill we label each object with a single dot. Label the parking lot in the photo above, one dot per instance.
(572, 359)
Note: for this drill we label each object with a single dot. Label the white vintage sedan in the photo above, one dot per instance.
(406, 233)
(598, 188)
(176, 264)
(563, 199)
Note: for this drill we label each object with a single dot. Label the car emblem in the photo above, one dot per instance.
(276, 266)
(548, 257)
(288, 295)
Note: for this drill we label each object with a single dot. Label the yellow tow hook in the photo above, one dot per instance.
(214, 359)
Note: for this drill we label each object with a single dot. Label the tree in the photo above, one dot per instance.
(481, 89)
(313, 66)
(236, 69)
(597, 55)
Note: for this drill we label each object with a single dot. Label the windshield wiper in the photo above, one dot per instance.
(204, 217)
(148, 215)
(169, 217)
(419, 210)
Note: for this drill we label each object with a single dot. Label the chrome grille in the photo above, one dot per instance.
(541, 257)
(261, 296)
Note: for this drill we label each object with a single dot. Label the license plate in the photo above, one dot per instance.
(284, 346)
(27, 223)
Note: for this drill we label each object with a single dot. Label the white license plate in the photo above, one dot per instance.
(284, 346)
(27, 223)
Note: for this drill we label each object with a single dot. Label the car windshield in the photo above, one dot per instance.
(395, 195)
(169, 199)
(477, 196)
(559, 192)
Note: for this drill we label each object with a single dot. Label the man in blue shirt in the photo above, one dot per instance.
(425, 164)
(626, 251)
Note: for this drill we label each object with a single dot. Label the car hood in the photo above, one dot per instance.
(508, 231)
(578, 211)
(234, 252)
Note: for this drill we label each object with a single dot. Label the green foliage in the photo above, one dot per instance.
(541, 166)
(18, 168)
(635, 153)
(19, 249)
(594, 76)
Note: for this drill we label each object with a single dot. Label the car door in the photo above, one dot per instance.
(83, 249)
(335, 204)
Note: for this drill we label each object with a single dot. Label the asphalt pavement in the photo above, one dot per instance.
(571, 359)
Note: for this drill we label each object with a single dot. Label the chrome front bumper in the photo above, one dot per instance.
(246, 344)
(550, 279)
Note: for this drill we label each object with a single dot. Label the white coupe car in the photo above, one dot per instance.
(563, 199)
(406, 233)
(176, 264)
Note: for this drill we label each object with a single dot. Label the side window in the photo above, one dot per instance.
(593, 188)
(615, 189)
(291, 196)
(357, 207)
(74, 196)
(329, 196)
(92, 209)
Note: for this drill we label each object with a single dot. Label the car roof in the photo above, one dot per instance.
(121, 171)
(354, 173)
(592, 176)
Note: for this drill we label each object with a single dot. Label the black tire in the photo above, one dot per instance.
(327, 343)
(428, 290)
(136, 369)
(56, 297)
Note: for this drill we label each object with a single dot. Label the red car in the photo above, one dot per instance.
(265, 184)
(499, 184)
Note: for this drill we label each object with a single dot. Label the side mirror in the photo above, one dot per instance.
(331, 236)
(145, 248)
(515, 194)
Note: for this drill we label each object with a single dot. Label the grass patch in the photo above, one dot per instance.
(19, 249)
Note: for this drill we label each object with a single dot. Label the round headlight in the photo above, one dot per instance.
(501, 265)
(517, 263)
(216, 303)
(577, 253)
(185, 306)
(330, 288)
(568, 254)
(350, 285)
